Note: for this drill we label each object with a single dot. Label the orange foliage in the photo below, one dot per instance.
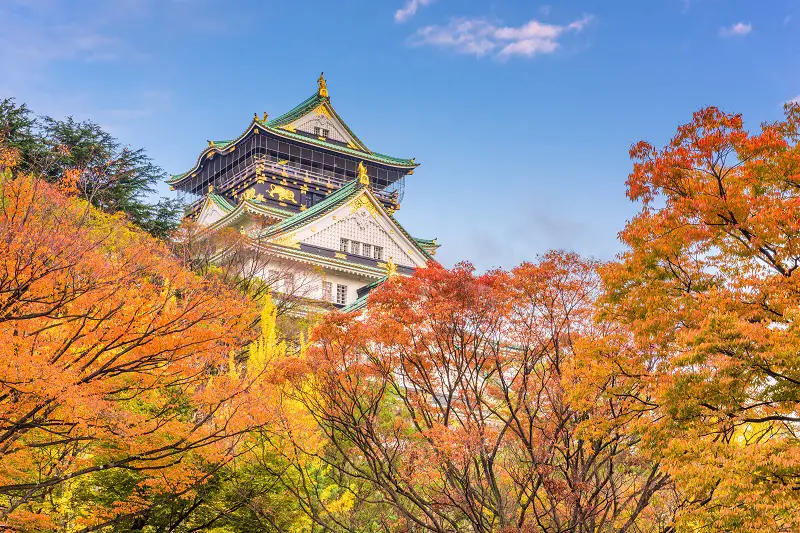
(710, 286)
(114, 359)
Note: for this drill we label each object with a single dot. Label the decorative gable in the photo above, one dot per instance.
(364, 221)
(323, 122)
(210, 213)
(360, 227)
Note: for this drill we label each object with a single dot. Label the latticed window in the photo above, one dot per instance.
(343, 245)
(327, 291)
(378, 253)
(367, 250)
(341, 294)
(355, 247)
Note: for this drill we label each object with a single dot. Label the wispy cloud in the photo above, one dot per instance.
(410, 9)
(479, 37)
(795, 100)
(740, 29)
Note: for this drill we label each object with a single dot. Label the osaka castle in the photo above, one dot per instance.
(314, 198)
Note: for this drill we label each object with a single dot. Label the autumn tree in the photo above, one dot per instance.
(709, 284)
(118, 364)
(458, 398)
(245, 262)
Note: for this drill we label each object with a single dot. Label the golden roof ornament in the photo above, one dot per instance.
(323, 86)
(210, 189)
(391, 268)
(362, 174)
(211, 143)
(266, 116)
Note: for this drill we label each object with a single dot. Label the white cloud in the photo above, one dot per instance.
(410, 9)
(739, 29)
(479, 37)
(795, 100)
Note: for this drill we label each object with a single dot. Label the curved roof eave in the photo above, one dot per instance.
(256, 123)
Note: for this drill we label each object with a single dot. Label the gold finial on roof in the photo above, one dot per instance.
(255, 117)
(211, 143)
(391, 268)
(323, 86)
(265, 117)
(362, 174)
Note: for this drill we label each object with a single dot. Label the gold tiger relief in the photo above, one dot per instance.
(283, 194)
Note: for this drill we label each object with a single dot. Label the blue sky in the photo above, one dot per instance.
(520, 112)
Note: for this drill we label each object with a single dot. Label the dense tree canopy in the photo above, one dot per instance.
(455, 396)
(141, 390)
(113, 372)
(110, 176)
(710, 286)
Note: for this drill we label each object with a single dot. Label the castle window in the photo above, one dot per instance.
(341, 294)
(326, 133)
(355, 247)
(327, 291)
(343, 245)
(367, 250)
(378, 253)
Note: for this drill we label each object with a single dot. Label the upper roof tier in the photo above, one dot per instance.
(313, 122)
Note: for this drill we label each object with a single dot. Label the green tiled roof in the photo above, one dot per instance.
(309, 104)
(358, 304)
(346, 192)
(371, 156)
(342, 195)
(276, 126)
(412, 239)
(222, 202)
(361, 301)
(426, 242)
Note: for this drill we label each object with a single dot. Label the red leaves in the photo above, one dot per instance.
(453, 395)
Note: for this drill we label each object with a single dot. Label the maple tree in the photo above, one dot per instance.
(116, 363)
(709, 284)
(459, 398)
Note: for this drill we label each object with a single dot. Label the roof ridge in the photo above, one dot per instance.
(342, 193)
(222, 202)
(297, 111)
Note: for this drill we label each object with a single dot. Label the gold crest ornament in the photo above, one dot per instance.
(362, 174)
(391, 268)
(323, 86)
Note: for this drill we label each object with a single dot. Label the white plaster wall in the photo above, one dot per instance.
(361, 227)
